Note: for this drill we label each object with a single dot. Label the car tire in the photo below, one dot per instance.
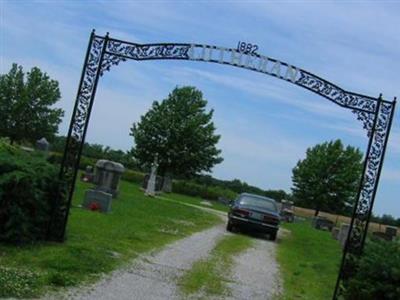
(272, 235)
(229, 226)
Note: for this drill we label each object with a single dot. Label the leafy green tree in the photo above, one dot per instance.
(238, 186)
(327, 179)
(58, 143)
(277, 194)
(180, 132)
(26, 105)
(93, 150)
(97, 151)
(386, 219)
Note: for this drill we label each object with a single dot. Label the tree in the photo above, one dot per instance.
(26, 110)
(328, 178)
(277, 194)
(180, 133)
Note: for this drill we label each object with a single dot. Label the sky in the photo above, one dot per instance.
(265, 124)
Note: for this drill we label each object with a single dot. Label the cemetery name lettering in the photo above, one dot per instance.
(246, 60)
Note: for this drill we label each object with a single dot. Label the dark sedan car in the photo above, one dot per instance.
(255, 213)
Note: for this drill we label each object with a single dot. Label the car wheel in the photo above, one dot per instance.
(272, 236)
(229, 226)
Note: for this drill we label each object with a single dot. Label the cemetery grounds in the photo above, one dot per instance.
(98, 244)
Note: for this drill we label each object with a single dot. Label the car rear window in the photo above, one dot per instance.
(258, 202)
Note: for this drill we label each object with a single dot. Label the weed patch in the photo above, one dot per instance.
(210, 275)
(18, 282)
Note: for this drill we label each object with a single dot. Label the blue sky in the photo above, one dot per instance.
(266, 124)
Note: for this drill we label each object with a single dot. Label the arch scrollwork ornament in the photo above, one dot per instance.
(376, 115)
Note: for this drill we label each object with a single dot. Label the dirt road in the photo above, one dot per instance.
(255, 274)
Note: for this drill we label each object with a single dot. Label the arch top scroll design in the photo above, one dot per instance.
(363, 106)
(120, 50)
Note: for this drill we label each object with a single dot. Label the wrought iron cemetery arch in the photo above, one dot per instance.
(103, 52)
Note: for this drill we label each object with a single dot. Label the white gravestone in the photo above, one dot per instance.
(343, 233)
(151, 183)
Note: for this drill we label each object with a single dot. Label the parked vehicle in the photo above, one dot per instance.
(287, 213)
(255, 213)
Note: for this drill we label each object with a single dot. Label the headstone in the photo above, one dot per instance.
(159, 182)
(391, 232)
(167, 183)
(151, 183)
(335, 233)
(88, 175)
(322, 223)
(97, 200)
(42, 145)
(107, 176)
(342, 237)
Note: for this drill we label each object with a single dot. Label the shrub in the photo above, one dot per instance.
(214, 192)
(133, 176)
(378, 272)
(207, 192)
(56, 158)
(28, 185)
(87, 161)
(128, 175)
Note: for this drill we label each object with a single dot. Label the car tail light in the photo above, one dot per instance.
(241, 212)
(270, 219)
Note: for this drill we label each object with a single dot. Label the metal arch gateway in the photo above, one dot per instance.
(104, 52)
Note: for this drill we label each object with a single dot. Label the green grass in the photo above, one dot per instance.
(210, 275)
(309, 261)
(196, 201)
(98, 242)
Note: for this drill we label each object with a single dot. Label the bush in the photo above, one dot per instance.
(87, 161)
(56, 159)
(28, 185)
(133, 176)
(378, 273)
(128, 175)
(203, 191)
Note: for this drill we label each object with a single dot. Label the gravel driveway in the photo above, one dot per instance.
(154, 276)
(256, 273)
